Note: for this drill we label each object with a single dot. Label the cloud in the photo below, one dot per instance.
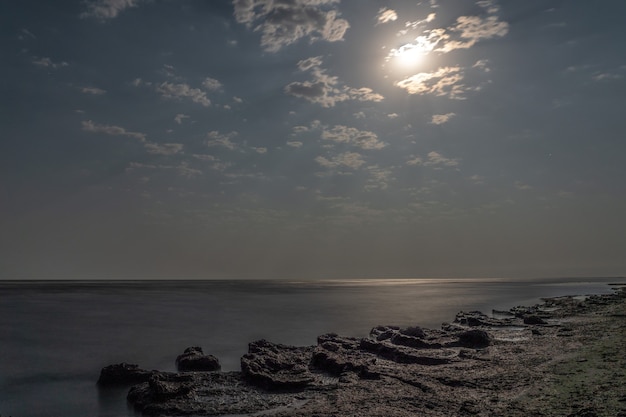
(295, 144)
(282, 23)
(471, 30)
(260, 150)
(107, 9)
(439, 119)
(222, 140)
(184, 170)
(163, 149)
(351, 160)
(361, 138)
(26, 34)
(112, 130)
(522, 186)
(150, 147)
(48, 63)
(93, 90)
(606, 76)
(386, 15)
(379, 178)
(482, 64)
(179, 91)
(180, 117)
(443, 82)
(211, 84)
(216, 163)
(434, 159)
(325, 89)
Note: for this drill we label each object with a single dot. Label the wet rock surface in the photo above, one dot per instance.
(514, 363)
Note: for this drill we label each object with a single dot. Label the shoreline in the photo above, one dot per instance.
(563, 357)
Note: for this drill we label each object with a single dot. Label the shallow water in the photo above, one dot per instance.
(56, 336)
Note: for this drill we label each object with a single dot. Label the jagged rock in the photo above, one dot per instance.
(193, 359)
(414, 342)
(533, 319)
(474, 339)
(401, 354)
(160, 388)
(383, 332)
(277, 367)
(123, 374)
(413, 331)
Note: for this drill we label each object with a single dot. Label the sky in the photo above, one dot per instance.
(312, 138)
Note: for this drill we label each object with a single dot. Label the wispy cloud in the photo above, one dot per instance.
(163, 148)
(49, 63)
(223, 140)
(349, 135)
(107, 9)
(93, 90)
(350, 160)
(112, 130)
(326, 90)
(211, 84)
(379, 178)
(471, 30)
(443, 82)
(386, 15)
(282, 23)
(433, 159)
(180, 117)
(151, 147)
(439, 119)
(179, 91)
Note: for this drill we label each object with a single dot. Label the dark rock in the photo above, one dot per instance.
(161, 387)
(193, 359)
(277, 367)
(414, 342)
(533, 319)
(383, 332)
(413, 331)
(400, 354)
(475, 339)
(123, 374)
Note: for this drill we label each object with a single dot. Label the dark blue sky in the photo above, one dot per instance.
(312, 138)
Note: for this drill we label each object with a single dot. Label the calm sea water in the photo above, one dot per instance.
(56, 336)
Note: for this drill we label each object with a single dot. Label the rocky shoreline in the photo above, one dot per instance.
(563, 357)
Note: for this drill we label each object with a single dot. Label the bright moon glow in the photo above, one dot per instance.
(408, 55)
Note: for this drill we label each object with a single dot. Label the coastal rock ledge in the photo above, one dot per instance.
(563, 357)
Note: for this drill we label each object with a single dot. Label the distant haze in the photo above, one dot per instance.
(312, 139)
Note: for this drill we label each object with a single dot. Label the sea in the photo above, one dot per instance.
(55, 336)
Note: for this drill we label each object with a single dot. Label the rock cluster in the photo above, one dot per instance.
(466, 368)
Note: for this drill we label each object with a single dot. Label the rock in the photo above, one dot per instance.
(277, 367)
(383, 332)
(193, 359)
(533, 319)
(400, 354)
(475, 339)
(123, 374)
(162, 388)
(413, 331)
(414, 342)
